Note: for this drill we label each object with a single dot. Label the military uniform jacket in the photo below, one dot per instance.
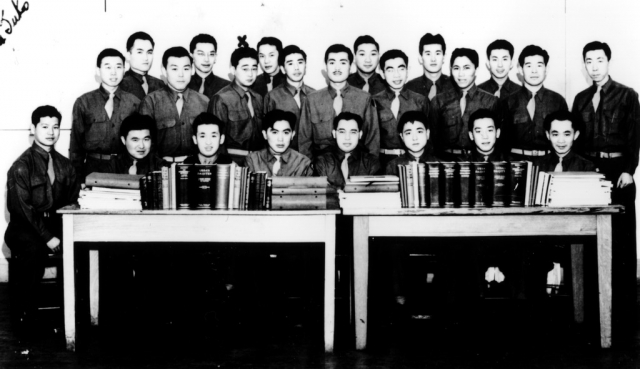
(422, 85)
(212, 84)
(508, 87)
(132, 83)
(260, 85)
(409, 100)
(360, 163)
(571, 162)
(376, 82)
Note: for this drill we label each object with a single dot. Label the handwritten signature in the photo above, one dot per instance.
(9, 24)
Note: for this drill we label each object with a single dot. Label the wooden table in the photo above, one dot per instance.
(523, 221)
(317, 226)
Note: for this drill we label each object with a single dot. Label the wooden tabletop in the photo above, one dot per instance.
(71, 209)
(611, 209)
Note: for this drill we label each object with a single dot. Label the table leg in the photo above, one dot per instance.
(68, 263)
(361, 277)
(94, 286)
(329, 281)
(603, 229)
(577, 280)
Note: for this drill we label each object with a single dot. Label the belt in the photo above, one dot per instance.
(99, 156)
(175, 159)
(397, 152)
(605, 155)
(238, 152)
(530, 152)
(456, 151)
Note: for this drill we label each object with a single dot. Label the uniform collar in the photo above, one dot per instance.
(270, 158)
(105, 93)
(333, 93)
(241, 91)
(392, 95)
(137, 76)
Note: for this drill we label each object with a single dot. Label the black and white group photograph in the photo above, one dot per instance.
(319, 184)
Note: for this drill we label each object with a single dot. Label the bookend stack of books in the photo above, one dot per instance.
(111, 191)
(362, 192)
(559, 189)
(302, 193)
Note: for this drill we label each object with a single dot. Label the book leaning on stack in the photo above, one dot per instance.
(362, 192)
(111, 192)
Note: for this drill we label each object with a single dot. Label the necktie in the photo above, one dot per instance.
(432, 91)
(596, 98)
(145, 85)
(269, 83)
(344, 167)
(133, 169)
(50, 172)
(463, 102)
(179, 104)
(337, 102)
(201, 90)
(296, 97)
(208, 161)
(247, 96)
(497, 93)
(109, 105)
(395, 105)
(531, 106)
(486, 158)
(559, 166)
(276, 166)
(365, 88)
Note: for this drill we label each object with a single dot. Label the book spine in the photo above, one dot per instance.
(232, 181)
(351, 188)
(449, 183)
(204, 176)
(237, 187)
(422, 185)
(182, 184)
(434, 185)
(309, 182)
(143, 193)
(251, 199)
(260, 188)
(465, 177)
(246, 176)
(416, 185)
(480, 184)
(499, 184)
(165, 188)
(410, 185)
(517, 183)
(299, 202)
(222, 179)
(127, 181)
(157, 185)
(268, 193)
(403, 186)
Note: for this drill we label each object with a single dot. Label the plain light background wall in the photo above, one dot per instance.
(50, 55)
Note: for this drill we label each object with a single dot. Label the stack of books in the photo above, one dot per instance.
(559, 189)
(302, 193)
(111, 192)
(366, 192)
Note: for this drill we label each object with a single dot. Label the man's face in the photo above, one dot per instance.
(111, 71)
(395, 73)
(367, 57)
(208, 139)
(294, 67)
(338, 66)
(268, 55)
(246, 72)
(463, 72)
(415, 136)
(138, 143)
(347, 135)
(534, 70)
(204, 57)
(562, 135)
(141, 56)
(47, 131)
(279, 136)
(178, 72)
(432, 58)
(500, 63)
(484, 135)
(597, 65)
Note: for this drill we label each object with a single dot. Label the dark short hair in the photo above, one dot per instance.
(347, 116)
(560, 115)
(45, 111)
(207, 118)
(596, 45)
(366, 39)
(430, 39)
(481, 114)
(243, 51)
(138, 122)
(393, 54)
(202, 38)
(500, 45)
(270, 41)
(338, 48)
(291, 49)
(412, 116)
(109, 53)
(278, 115)
(533, 50)
(176, 52)
(469, 53)
(139, 36)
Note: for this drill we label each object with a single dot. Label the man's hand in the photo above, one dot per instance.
(54, 244)
(625, 180)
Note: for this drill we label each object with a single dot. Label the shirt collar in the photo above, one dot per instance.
(606, 87)
(270, 158)
(174, 94)
(240, 91)
(333, 93)
(292, 89)
(391, 94)
(570, 155)
(40, 151)
(106, 93)
(471, 92)
(135, 75)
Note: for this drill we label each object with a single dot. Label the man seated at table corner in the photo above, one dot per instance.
(348, 157)
(39, 182)
(279, 159)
